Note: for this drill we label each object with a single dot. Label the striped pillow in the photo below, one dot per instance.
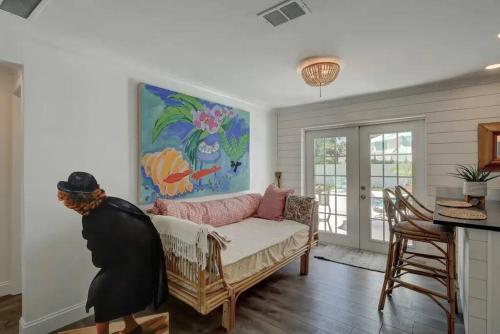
(192, 211)
(230, 210)
(216, 213)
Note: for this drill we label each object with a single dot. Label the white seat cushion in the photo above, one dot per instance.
(259, 243)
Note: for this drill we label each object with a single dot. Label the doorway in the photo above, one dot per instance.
(348, 168)
(11, 155)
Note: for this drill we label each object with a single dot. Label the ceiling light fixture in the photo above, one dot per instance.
(492, 67)
(498, 35)
(319, 71)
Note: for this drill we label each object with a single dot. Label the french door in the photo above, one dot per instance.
(331, 167)
(347, 170)
(390, 155)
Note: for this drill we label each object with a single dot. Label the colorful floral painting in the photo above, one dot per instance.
(190, 147)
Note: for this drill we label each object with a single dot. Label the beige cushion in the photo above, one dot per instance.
(407, 227)
(259, 243)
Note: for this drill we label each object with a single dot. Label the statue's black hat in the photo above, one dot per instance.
(78, 182)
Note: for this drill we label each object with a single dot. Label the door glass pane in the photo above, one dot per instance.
(341, 224)
(377, 144)
(341, 185)
(404, 142)
(377, 208)
(405, 167)
(330, 183)
(377, 165)
(329, 168)
(341, 166)
(341, 146)
(391, 164)
(390, 143)
(319, 149)
(377, 228)
(341, 205)
(319, 169)
(377, 185)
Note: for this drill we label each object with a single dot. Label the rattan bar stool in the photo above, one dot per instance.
(409, 220)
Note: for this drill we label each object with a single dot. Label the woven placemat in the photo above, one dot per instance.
(452, 203)
(462, 213)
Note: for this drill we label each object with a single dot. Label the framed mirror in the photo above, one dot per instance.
(489, 146)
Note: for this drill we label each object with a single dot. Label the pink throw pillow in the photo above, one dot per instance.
(273, 203)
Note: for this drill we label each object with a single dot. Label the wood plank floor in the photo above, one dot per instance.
(10, 312)
(333, 298)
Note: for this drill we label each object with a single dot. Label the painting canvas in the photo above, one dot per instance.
(190, 147)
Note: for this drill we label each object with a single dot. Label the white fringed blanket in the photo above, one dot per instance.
(186, 239)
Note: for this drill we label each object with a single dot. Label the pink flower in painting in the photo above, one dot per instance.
(211, 120)
(212, 124)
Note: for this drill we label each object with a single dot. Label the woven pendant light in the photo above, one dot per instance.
(319, 71)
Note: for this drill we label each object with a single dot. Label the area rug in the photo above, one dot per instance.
(352, 257)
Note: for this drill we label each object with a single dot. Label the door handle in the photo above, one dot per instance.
(363, 196)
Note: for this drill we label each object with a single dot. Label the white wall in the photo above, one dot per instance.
(451, 118)
(80, 113)
(16, 176)
(5, 186)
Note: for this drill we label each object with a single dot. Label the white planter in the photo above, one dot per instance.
(475, 189)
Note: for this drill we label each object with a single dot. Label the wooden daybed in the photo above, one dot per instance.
(206, 289)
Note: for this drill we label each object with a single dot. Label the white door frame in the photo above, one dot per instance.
(352, 165)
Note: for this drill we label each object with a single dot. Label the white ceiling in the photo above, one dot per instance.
(222, 44)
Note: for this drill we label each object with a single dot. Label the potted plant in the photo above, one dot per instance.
(475, 181)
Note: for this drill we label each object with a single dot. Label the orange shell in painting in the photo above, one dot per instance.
(158, 166)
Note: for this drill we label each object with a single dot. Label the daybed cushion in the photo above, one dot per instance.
(259, 243)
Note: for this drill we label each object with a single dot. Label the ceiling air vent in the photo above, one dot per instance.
(22, 8)
(284, 11)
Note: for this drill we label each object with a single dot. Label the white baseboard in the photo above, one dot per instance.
(5, 288)
(55, 320)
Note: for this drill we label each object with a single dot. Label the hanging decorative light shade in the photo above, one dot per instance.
(319, 71)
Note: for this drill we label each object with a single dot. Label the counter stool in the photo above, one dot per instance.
(409, 220)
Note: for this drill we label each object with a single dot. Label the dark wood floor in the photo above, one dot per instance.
(333, 298)
(10, 312)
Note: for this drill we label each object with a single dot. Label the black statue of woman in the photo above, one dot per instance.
(124, 245)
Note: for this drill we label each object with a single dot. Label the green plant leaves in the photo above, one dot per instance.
(191, 148)
(473, 174)
(180, 113)
(234, 148)
(171, 115)
(193, 102)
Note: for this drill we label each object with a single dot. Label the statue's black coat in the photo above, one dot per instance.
(126, 246)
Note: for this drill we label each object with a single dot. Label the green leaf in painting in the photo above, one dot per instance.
(227, 123)
(171, 115)
(235, 148)
(191, 147)
(191, 101)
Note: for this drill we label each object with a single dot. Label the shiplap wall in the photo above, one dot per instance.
(451, 118)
